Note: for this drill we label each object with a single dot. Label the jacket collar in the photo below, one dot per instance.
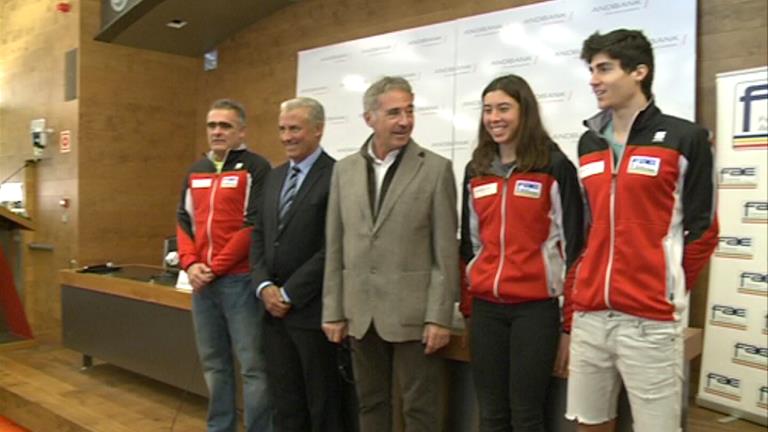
(321, 162)
(230, 153)
(499, 169)
(599, 121)
(369, 142)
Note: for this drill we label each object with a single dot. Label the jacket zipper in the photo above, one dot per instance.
(502, 244)
(612, 205)
(612, 208)
(209, 223)
(612, 225)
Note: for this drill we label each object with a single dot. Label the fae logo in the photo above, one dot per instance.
(753, 283)
(738, 177)
(750, 122)
(729, 316)
(765, 323)
(750, 355)
(734, 247)
(762, 397)
(755, 212)
(723, 386)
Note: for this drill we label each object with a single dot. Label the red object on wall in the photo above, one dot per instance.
(65, 141)
(7, 425)
(63, 7)
(10, 304)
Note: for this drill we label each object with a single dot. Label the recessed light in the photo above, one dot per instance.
(176, 24)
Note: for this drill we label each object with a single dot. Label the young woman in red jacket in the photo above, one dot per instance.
(522, 228)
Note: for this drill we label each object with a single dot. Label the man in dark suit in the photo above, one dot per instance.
(288, 253)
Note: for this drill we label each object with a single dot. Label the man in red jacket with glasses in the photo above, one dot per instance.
(220, 202)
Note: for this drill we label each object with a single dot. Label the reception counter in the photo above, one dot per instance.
(133, 318)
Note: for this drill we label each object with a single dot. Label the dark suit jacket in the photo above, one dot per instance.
(293, 257)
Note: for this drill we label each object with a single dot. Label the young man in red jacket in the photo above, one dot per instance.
(649, 188)
(220, 202)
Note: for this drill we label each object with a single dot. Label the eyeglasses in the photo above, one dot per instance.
(221, 125)
(344, 361)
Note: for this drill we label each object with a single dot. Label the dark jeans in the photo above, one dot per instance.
(513, 348)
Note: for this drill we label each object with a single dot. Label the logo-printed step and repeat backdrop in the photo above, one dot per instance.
(735, 359)
(449, 64)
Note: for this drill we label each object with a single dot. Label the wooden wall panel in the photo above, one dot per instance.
(33, 40)
(133, 129)
(733, 35)
(137, 136)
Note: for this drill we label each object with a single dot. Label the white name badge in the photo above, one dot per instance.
(201, 183)
(229, 181)
(644, 165)
(485, 190)
(528, 189)
(591, 169)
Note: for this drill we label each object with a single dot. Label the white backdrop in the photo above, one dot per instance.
(448, 65)
(735, 357)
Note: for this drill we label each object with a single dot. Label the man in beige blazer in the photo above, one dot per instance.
(391, 272)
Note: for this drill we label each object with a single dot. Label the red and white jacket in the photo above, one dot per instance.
(521, 232)
(651, 219)
(217, 212)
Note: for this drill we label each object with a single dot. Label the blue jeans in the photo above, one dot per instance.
(227, 317)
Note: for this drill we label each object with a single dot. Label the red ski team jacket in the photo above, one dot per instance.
(521, 232)
(651, 218)
(217, 212)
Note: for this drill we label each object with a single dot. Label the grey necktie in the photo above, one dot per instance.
(290, 193)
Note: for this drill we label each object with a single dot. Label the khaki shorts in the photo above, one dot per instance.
(608, 347)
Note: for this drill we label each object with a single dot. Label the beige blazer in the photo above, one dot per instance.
(400, 271)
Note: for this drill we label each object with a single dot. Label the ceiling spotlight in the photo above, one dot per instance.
(176, 24)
